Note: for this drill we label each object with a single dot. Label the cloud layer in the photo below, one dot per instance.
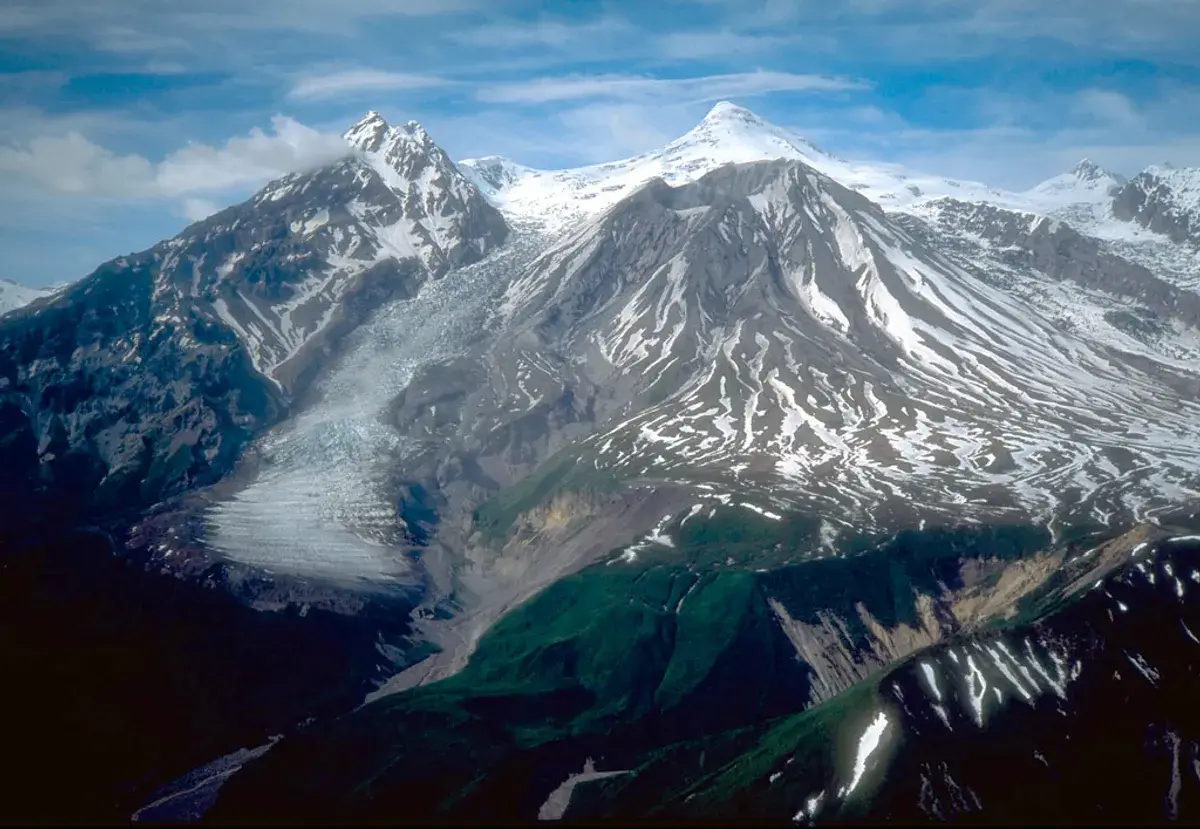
(74, 165)
(645, 89)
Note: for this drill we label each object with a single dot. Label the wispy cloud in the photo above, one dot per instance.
(920, 31)
(105, 21)
(319, 87)
(725, 43)
(195, 209)
(645, 89)
(1107, 108)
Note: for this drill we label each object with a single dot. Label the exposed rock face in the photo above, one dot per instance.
(107, 407)
(991, 590)
(1163, 199)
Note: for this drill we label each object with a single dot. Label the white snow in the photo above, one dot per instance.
(14, 296)
(811, 806)
(728, 134)
(866, 747)
(931, 680)
(976, 689)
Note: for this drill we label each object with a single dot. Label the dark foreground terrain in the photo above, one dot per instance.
(118, 680)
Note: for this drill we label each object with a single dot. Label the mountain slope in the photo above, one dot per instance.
(762, 339)
(1086, 197)
(149, 376)
(1036, 723)
(697, 690)
(767, 332)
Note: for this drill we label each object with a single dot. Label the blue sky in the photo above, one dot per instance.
(121, 121)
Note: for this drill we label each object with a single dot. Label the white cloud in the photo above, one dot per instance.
(614, 131)
(120, 27)
(75, 165)
(696, 44)
(318, 87)
(1107, 107)
(635, 88)
(195, 210)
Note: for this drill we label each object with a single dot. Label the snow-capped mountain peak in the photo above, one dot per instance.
(1085, 183)
(368, 133)
(1088, 170)
(494, 174)
(723, 110)
(737, 130)
(728, 134)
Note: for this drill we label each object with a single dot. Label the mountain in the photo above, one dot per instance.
(1019, 724)
(771, 333)
(145, 381)
(664, 463)
(1086, 182)
(759, 694)
(729, 134)
(1117, 672)
(1085, 196)
(150, 375)
(1165, 200)
(14, 296)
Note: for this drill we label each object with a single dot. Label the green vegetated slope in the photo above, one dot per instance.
(673, 665)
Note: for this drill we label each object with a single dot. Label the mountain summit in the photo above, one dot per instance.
(1087, 183)
(728, 134)
(1088, 170)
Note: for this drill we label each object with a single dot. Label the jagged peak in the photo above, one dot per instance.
(1088, 169)
(1165, 169)
(1090, 172)
(368, 133)
(374, 134)
(414, 128)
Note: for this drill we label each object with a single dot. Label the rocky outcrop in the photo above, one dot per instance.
(1163, 200)
(1060, 252)
(992, 591)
